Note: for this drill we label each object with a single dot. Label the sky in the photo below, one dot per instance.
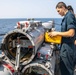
(32, 8)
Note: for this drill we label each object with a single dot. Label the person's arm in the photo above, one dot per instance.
(69, 33)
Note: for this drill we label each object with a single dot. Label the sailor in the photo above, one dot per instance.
(72, 10)
(67, 44)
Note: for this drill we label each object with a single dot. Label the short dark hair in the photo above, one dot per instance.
(60, 4)
(69, 7)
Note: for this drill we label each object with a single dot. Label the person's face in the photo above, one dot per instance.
(60, 11)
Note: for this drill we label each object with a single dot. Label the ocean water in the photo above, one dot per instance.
(7, 25)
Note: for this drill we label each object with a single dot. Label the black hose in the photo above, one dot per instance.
(2, 34)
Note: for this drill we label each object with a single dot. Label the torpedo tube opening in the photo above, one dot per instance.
(10, 46)
(36, 69)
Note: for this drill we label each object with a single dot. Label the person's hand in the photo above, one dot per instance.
(53, 33)
(75, 42)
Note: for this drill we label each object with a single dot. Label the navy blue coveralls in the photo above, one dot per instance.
(67, 46)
